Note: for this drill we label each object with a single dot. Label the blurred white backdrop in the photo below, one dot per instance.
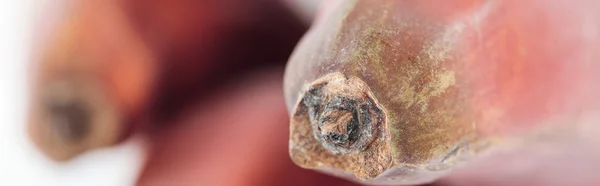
(20, 162)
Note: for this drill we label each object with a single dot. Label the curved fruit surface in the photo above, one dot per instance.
(401, 92)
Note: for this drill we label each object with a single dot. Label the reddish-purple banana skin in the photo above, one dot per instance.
(402, 92)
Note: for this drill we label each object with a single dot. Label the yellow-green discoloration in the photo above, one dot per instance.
(403, 60)
(406, 60)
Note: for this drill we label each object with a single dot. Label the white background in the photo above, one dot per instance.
(20, 162)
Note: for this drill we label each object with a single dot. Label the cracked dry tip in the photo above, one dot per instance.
(342, 114)
(338, 121)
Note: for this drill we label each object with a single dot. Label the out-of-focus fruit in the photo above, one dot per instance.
(93, 75)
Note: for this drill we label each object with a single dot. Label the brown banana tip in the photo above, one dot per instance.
(68, 116)
(71, 115)
(338, 121)
(343, 115)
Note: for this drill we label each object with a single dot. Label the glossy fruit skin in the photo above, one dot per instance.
(454, 79)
